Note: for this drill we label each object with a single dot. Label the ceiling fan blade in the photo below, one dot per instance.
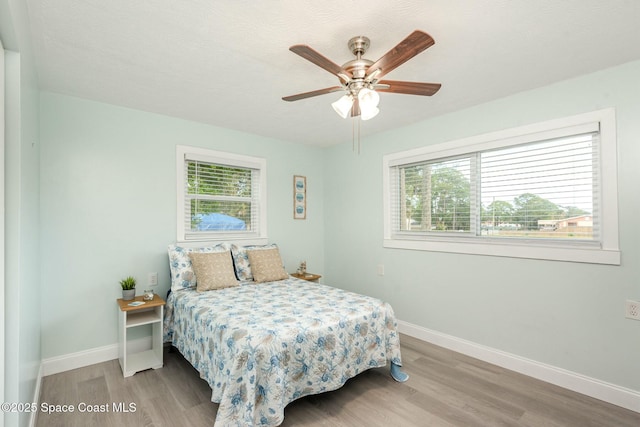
(311, 55)
(412, 45)
(410, 88)
(304, 95)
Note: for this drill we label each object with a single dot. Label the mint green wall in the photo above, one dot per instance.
(108, 208)
(568, 315)
(22, 264)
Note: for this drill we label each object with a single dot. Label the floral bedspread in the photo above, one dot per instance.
(262, 346)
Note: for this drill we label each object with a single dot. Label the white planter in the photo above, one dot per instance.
(129, 294)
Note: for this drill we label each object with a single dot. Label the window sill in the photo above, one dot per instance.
(195, 243)
(511, 250)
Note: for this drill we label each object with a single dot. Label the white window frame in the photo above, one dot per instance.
(227, 159)
(607, 250)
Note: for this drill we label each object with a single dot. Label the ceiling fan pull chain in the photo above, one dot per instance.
(353, 135)
(359, 144)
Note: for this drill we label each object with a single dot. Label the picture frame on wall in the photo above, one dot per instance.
(299, 197)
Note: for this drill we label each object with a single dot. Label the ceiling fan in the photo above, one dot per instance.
(361, 78)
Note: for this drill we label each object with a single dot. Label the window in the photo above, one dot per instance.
(221, 196)
(545, 191)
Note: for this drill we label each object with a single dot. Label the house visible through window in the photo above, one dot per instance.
(221, 195)
(534, 187)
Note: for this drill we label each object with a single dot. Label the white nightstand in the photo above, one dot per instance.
(150, 313)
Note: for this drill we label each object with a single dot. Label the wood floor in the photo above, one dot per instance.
(444, 389)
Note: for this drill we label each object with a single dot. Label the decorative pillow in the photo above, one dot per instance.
(182, 275)
(213, 270)
(266, 265)
(241, 259)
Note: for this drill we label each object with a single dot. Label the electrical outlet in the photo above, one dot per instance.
(153, 279)
(380, 270)
(632, 310)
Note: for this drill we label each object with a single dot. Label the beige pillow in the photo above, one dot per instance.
(213, 270)
(266, 265)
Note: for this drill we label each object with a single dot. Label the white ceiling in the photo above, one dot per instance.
(227, 63)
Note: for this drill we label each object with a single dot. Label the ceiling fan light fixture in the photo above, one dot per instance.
(343, 106)
(368, 112)
(368, 98)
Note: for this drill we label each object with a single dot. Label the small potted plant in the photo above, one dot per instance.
(128, 288)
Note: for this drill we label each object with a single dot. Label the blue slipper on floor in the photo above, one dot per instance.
(397, 374)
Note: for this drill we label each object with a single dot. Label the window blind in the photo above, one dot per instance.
(220, 199)
(541, 189)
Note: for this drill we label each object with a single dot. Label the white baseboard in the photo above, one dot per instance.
(67, 362)
(611, 393)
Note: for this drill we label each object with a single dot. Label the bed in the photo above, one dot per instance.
(263, 345)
